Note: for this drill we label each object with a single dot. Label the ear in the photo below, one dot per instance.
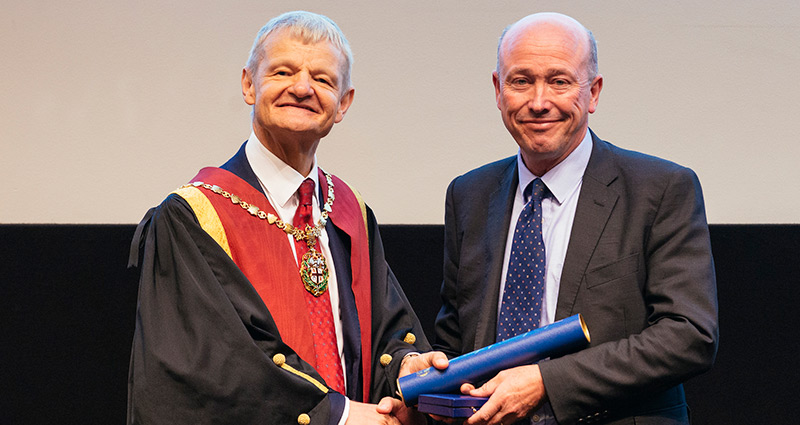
(496, 82)
(344, 104)
(248, 88)
(597, 86)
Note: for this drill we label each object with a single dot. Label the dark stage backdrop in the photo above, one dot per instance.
(67, 304)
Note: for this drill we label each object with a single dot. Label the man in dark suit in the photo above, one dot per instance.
(264, 295)
(624, 240)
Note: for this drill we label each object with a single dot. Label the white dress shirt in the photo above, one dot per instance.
(558, 213)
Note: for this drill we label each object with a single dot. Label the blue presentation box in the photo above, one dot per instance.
(450, 405)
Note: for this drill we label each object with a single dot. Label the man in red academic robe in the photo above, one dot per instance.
(264, 294)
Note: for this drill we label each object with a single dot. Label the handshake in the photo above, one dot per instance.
(514, 387)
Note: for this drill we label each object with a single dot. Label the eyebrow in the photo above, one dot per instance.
(549, 73)
(292, 64)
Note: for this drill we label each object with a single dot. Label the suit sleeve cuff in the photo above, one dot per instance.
(340, 408)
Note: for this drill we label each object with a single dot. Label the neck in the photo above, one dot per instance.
(540, 164)
(291, 148)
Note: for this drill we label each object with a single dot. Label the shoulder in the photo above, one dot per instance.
(344, 192)
(641, 178)
(349, 208)
(633, 165)
(176, 204)
(488, 176)
(173, 213)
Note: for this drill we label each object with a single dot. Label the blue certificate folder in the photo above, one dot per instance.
(556, 339)
(450, 405)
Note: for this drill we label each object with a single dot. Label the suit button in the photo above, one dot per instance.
(410, 338)
(303, 419)
(535, 418)
(385, 360)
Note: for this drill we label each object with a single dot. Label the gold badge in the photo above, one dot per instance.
(314, 273)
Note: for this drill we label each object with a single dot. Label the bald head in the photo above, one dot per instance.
(548, 24)
(546, 85)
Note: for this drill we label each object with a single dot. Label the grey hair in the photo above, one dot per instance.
(592, 67)
(308, 27)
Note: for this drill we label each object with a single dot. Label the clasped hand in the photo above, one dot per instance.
(392, 407)
(513, 393)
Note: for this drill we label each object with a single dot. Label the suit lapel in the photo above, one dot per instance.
(595, 204)
(498, 218)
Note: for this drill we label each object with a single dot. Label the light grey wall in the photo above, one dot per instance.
(107, 105)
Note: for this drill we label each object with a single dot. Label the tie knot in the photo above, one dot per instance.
(306, 191)
(535, 190)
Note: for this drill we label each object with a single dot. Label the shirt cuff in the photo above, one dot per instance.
(345, 412)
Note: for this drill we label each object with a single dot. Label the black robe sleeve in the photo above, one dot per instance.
(396, 330)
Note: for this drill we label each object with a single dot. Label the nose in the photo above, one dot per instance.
(301, 85)
(539, 99)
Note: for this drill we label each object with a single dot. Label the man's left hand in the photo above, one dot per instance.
(415, 363)
(513, 394)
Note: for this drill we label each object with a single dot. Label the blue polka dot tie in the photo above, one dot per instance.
(524, 291)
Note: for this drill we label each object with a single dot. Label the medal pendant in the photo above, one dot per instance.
(314, 272)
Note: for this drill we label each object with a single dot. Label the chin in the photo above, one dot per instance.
(540, 144)
(299, 125)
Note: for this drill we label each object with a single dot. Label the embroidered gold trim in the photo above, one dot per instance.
(280, 360)
(206, 215)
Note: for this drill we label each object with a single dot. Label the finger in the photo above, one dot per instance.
(483, 391)
(445, 419)
(486, 389)
(440, 360)
(387, 405)
(485, 414)
(390, 420)
(415, 363)
(466, 388)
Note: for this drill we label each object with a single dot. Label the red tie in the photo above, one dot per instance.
(329, 365)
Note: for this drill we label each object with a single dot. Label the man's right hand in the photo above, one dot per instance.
(513, 394)
(367, 414)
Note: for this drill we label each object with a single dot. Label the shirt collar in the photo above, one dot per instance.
(561, 179)
(278, 179)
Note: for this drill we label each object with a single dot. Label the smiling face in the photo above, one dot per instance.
(543, 88)
(297, 93)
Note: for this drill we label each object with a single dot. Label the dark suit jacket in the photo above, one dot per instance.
(638, 268)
